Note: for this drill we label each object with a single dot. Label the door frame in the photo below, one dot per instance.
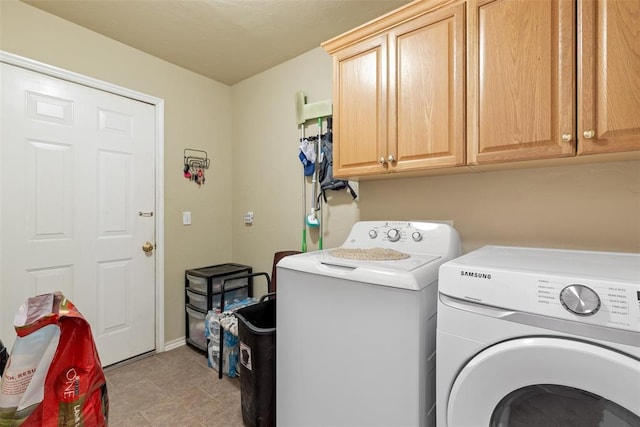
(158, 103)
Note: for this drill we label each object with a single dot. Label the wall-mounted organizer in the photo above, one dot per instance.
(195, 163)
(204, 292)
(316, 155)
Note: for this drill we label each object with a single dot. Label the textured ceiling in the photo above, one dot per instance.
(226, 40)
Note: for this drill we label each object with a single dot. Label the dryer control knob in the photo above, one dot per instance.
(373, 234)
(393, 234)
(416, 236)
(580, 299)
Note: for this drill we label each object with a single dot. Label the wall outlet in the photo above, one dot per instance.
(248, 218)
(186, 218)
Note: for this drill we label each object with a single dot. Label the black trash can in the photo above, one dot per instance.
(257, 334)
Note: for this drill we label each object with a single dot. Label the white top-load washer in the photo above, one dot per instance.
(540, 337)
(356, 338)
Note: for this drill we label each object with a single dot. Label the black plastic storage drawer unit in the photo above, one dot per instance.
(204, 291)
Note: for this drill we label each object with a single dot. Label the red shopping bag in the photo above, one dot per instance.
(53, 376)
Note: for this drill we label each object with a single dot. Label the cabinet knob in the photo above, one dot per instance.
(382, 161)
(391, 159)
(566, 137)
(588, 134)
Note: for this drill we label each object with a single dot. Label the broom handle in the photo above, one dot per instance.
(304, 200)
(319, 198)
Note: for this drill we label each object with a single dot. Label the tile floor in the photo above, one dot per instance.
(174, 388)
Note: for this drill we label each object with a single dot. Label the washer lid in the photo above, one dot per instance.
(401, 265)
(414, 273)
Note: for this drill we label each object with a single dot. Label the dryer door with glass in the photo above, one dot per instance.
(546, 381)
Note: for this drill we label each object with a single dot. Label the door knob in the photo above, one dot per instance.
(147, 247)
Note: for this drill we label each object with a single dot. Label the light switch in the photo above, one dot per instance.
(186, 218)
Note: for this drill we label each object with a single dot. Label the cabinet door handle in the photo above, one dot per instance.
(382, 161)
(566, 137)
(391, 159)
(588, 134)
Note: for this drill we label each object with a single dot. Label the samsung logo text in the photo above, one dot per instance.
(475, 275)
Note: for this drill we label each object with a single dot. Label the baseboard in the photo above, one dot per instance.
(171, 345)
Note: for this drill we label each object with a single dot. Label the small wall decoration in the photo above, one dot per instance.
(195, 163)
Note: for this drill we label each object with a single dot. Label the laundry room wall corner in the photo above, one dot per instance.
(267, 173)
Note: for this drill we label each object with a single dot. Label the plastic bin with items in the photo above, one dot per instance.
(224, 325)
(221, 330)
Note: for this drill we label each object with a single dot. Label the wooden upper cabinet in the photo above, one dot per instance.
(444, 83)
(609, 76)
(427, 91)
(521, 89)
(399, 93)
(360, 108)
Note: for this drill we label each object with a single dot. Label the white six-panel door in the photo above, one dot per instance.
(77, 168)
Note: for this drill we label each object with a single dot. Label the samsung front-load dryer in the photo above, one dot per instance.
(538, 337)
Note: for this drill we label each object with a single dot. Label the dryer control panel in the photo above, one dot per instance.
(598, 288)
(603, 303)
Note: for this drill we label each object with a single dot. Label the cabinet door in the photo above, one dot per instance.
(426, 91)
(360, 108)
(521, 80)
(609, 76)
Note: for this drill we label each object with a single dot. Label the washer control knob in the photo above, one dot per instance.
(580, 299)
(416, 236)
(373, 234)
(393, 234)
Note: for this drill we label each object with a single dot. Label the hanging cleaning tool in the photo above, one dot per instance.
(304, 112)
(318, 198)
(312, 218)
(307, 155)
(304, 198)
